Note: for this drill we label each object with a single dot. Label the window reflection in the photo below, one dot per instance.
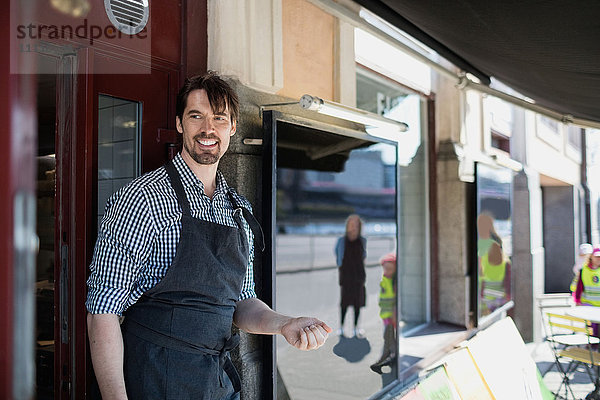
(316, 201)
(381, 95)
(118, 143)
(494, 238)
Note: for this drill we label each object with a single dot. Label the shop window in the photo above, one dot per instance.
(549, 130)
(500, 142)
(391, 61)
(118, 146)
(574, 136)
(499, 120)
(549, 123)
(380, 95)
(494, 240)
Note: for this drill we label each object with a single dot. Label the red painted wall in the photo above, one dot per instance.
(163, 28)
(5, 213)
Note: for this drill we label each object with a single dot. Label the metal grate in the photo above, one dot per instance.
(128, 16)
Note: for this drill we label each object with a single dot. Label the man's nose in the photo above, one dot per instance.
(207, 125)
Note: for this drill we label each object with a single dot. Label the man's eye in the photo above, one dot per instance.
(195, 116)
(219, 118)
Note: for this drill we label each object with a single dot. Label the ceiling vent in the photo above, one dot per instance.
(128, 16)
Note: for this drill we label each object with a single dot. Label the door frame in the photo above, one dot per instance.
(69, 338)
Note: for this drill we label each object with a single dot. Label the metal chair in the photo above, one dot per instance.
(572, 342)
(557, 303)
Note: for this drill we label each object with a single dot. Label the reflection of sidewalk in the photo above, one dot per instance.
(320, 268)
(335, 372)
(302, 253)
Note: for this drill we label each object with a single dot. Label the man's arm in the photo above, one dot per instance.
(304, 333)
(106, 346)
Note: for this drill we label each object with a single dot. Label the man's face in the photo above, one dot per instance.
(205, 133)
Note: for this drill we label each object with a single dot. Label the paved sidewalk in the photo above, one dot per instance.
(542, 355)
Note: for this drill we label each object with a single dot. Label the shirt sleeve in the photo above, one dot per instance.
(339, 251)
(122, 249)
(248, 284)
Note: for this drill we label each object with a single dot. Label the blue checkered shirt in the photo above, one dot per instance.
(139, 233)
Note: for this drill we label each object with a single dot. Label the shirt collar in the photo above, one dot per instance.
(189, 179)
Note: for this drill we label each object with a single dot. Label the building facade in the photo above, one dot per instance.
(86, 113)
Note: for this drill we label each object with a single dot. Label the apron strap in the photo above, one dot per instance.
(259, 237)
(226, 364)
(178, 187)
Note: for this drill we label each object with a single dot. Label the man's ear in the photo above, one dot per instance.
(233, 128)
(178, 124)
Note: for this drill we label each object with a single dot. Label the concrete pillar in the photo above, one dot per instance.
(453, 238)
(536, 241)
(244, 40)
(242, 168)
(528, 253)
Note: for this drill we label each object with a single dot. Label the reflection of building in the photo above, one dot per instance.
(331, 195)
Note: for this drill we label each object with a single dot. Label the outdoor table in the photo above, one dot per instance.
(592, 314)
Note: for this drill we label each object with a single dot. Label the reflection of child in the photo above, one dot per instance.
(494, 266)
(495, 278)
(387, 306)
(585, 249)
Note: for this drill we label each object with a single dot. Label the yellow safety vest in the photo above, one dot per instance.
(591, 286)
(387, 298)
(493, 278)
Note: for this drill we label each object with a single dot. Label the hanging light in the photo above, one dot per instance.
(375, 125)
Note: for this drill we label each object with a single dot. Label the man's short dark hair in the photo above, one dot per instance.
(220, 94)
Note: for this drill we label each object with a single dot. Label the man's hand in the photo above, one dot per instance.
(305, 333)
(254, 316)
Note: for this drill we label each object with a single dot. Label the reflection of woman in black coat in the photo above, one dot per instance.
(351, 253)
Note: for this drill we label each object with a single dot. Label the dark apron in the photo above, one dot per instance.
(177, 337)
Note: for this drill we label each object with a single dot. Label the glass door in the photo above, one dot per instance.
(119, 123)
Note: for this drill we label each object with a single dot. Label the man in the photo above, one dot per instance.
(174, 256)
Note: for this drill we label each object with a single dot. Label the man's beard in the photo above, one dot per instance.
(203, 158)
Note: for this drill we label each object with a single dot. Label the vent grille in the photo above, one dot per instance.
(128, 16)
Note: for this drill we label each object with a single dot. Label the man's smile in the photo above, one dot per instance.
(207, 142)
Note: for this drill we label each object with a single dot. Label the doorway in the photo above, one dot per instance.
(46, 224)
(54, 336)
(124, 128)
